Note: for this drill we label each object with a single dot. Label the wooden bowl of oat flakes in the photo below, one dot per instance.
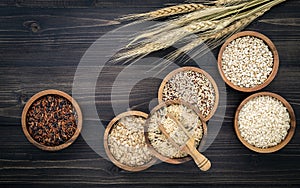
(248, 61)
(51, 120)
(265, 122)
(192, 85)
(124, 142)
(185, 113)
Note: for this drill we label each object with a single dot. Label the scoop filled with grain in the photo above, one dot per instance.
(168, 115)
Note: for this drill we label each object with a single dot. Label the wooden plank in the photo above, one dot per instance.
(85, 3)
(40, 48)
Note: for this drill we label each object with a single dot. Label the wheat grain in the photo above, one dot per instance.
(165, 12)
(197, 26)
(173, 10)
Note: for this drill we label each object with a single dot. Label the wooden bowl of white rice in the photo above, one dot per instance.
(185, 113)
(265, 122)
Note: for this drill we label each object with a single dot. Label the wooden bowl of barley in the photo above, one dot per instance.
(265, 122)
(124, 142)
(248, 61)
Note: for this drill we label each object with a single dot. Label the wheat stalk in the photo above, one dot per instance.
(166, 39)
(221, 2)
(229, 2)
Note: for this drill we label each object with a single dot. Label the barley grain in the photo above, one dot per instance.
(247, 62)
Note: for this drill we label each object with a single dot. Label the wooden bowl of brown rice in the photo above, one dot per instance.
(248, 61)
(51, 120)
(265, 122)
(124, 142)
(188, 115)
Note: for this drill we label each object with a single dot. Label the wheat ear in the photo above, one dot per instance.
(190, 18)
(224, 21)
(166, 12)
(187, 19)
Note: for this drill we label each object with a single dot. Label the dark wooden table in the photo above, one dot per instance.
(41, 45)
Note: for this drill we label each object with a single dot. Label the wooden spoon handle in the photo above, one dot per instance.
(201, 161)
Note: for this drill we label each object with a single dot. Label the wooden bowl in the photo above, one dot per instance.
(78, 119)
(272, 48)
(159, 155)
(290, 131)
(195, 69)
(106, 147)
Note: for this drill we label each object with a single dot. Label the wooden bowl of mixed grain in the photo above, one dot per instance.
(265, 122)
(188, 115)
(248, 61)
(124, 142)
(51, 120)
(193, 85)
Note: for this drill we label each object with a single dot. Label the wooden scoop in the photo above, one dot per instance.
(201, 161)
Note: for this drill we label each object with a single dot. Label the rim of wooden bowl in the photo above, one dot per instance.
(38, 96)
(106, 147)
(156, 153)
(201, 71)
(288, 137)
(272, 49)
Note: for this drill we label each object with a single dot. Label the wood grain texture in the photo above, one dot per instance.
(41, 44)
